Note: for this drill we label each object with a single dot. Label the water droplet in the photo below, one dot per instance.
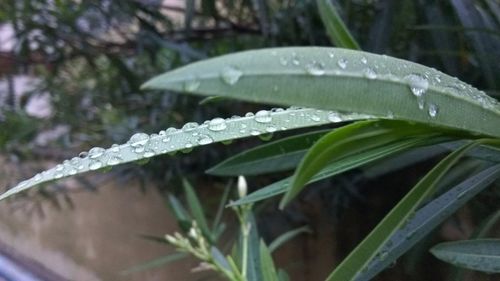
(37, 177)
(58, 175)
(165, 139)
(83, 154)
(421, 103)
(204, 139)
(162, 133)
(255, 132)
(96, 152)
(138, 139)
(390, 114)
(217, 124)
(315, 68)
(331, 55)
(433, 110)
(72, 171)
(190, 126)
(249, 114)
(364, 60)
(370, 73)
(230, 75)
(418, 84)
(191, 85)
(227, 142)
(115, 148)
(59, 167)
(94, 165)
(170, 131)
(188, 145)
(334, 116)
(114, 160)
(342, 63)
(263, 116)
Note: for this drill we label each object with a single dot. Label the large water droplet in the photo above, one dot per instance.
(418, 84)
(342, 63)
(115, 148)
(230, 75)
(138, 139)
(433, 110)
(94, 165)
(315, 68)
(190, 126)
(96, 152)
(263, 116)
(217, 124)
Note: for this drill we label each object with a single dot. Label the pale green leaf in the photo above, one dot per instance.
(480, 254)
(335, 27)
(340, 79)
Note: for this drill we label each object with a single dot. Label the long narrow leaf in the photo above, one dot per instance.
(349, 139)
(481, 254)
(196, 208)
(281, 155)
(361, 256)
(287, 236)
(340, 79)
(428, 218)
(335, 27)
(340, 166)
(142, 146)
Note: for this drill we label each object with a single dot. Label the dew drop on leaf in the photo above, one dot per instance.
(230, 75)
(217, 124)
(433, 110)
(315, 68)
(370, 73)
(190, 126)
(342, 63)
(138, 139)
(418, 84)
(263, 116)
(96, 152)
(204, 139)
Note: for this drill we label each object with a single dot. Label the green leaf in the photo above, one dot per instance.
(480, 254)
(360, 257)
(196, 209)
(427, 219)
(219, 258)
(335, 27)
(309, 76)
(350, 139)
(181, 215)
(287, 236)
(254, 268)
(155, 263)
(142, 146)
(267, 264)
(342, 165)
(281, 155)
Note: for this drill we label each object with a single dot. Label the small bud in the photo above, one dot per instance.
(242, 186)
(171, 239)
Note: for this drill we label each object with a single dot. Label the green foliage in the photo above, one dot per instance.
(481, 254)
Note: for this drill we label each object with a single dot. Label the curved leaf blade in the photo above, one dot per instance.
(343, 80)
(280, 155)
(480, 254)
(350, 139)
(340, 166)
(335, 27)
(360, 257)
(188, 137)
(428, 218)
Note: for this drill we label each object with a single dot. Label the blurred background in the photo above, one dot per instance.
(70, 72)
